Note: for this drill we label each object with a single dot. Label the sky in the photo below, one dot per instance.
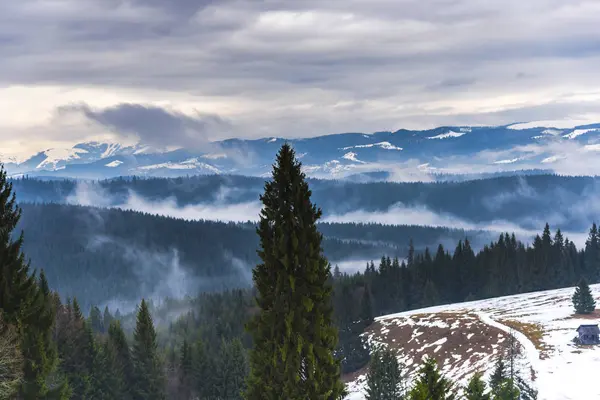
(175, 72)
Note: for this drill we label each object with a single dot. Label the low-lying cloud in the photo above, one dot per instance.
(92, 194)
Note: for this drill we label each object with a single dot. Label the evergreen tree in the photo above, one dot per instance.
(293, 335)
(232, 369)
(430, 295)
(354, 349)
(203, 374)
(499, 375)
(431, 385)
(107, 319)
(116, 376)
(476, 389)
(583, 301)
(122, 357)
(366, 310)
(96, 320)
(149, 376)
(526, 392)
(384, 379)
(507, 390)
(591, 262)
(185, 371)
(23, 304)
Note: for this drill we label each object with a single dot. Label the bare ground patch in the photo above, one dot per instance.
(460, 342)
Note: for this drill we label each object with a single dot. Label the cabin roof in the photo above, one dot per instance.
(590, 327)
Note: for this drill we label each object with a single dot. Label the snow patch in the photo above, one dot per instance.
(114, 164)
(383, 145)
(190, 164)
(352, 157)
(578, 132)
(449, 134)
(56, 156)
(111, 148)
(511, 161)
(552, 159)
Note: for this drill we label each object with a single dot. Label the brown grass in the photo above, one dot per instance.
(533, 332)
(468, 340)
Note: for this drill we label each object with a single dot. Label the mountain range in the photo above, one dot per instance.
(414, 154)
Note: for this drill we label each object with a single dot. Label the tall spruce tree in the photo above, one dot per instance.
(122, 355)
(476, 389)
(431, 385)
(384, 379)
(293, 333)
(499, 375)
(203, 373)
(148, 372)
(232, 369)
(583, 301)
(185, 371)
(591, 259)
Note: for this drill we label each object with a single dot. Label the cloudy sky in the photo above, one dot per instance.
(186, 71)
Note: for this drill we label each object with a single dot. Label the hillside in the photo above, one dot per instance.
(464, 338)
(104, 254)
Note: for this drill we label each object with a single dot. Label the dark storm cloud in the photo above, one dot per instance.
(154, 125)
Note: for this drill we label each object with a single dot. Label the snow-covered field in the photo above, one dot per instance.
(466, 337)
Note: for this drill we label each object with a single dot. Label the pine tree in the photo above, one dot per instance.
(232, 369)
(185, 371)
(431, 385)
(366, 308)
(122, 354)
(384, 379)
(499, 375)
(96, 320)
(583, 301)
(107, 319)
(591, 258)
(293, 334)
(430, 295)
(116, 374)
(203, 372)
(149, 376)
(354, 349)
(507, 390)
(526, 392)
(26, 306)
(476, 389)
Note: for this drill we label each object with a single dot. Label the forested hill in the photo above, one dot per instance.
(525, 200)
(101, 254)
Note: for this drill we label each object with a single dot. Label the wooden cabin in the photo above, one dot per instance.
(589, 334)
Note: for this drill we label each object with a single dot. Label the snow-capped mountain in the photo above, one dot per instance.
(444, 150)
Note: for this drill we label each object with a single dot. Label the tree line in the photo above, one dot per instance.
(473, 200)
